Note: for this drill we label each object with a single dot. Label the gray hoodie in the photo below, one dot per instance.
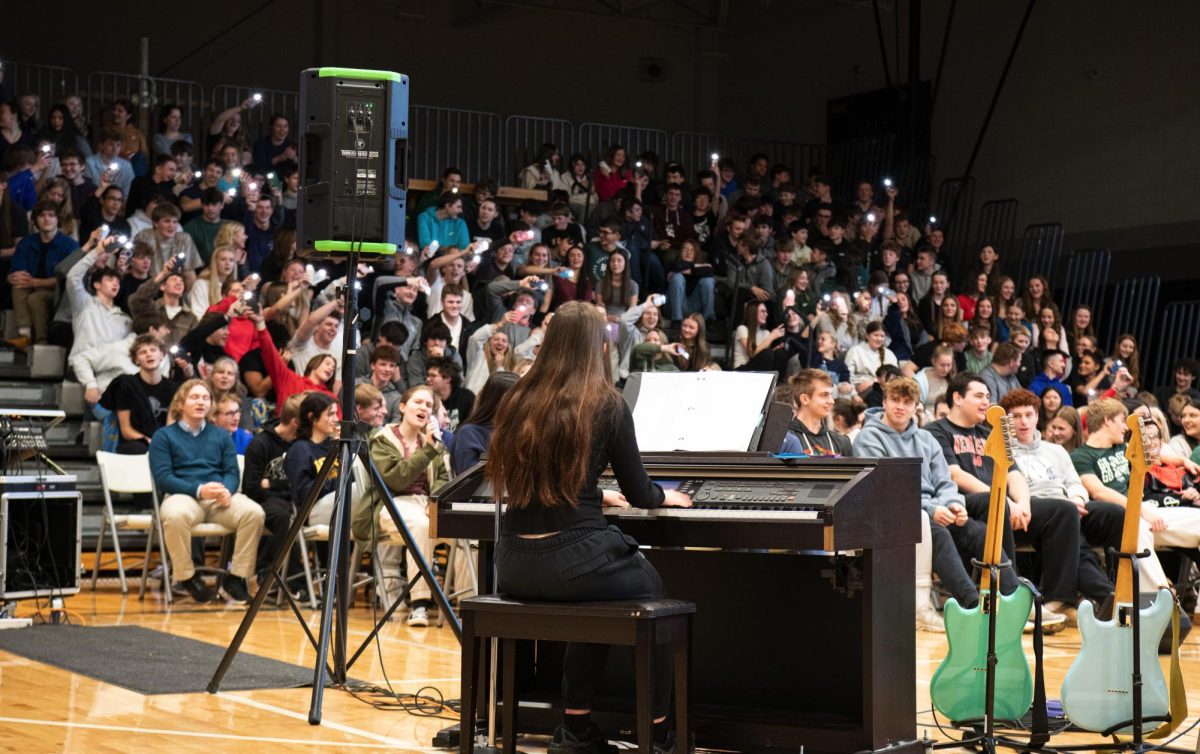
(1048, 470)
(878, 440)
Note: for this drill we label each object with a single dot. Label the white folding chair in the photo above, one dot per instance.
(199, 530)
(130, 475)
(320, 533)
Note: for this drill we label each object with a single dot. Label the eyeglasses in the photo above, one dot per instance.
(234, 412)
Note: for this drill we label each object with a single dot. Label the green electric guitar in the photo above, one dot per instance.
(959, 686)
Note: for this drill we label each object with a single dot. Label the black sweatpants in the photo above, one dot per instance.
(1101, 527)
(580, 565)
(1068, 564)
(972, 537)
(278, 512)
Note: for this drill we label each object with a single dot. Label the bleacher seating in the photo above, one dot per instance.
(484, 148)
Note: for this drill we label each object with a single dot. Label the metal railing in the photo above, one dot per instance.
(442, 137)
(256, 120)
(1134, 305)
(596, 138)
(148, 94)
(694, 150)
(955, 200)
(51, 83)
(1041, 247)
(802, 159)
(1084, 281)
(868, 159)
(998, 227)
(524, 136)
(1178, 336)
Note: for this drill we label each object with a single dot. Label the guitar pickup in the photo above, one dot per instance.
(1124, 613)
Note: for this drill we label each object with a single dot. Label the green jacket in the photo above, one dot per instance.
(398, 473)
(645, 358)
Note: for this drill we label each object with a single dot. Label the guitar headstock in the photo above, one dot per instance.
(1135, 450)
(1001, 443)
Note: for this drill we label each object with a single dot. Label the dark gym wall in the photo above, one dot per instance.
(1095, 127)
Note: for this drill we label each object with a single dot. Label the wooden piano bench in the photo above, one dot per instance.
(641, 624)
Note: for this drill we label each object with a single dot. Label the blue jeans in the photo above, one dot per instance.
(111, 430)
(700, 299)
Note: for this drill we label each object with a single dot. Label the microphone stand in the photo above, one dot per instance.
(351, 444)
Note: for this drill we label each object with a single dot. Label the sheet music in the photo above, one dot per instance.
(699, 411)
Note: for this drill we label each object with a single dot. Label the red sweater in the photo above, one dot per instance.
(607, 186)
(286, 382)
(242, 338)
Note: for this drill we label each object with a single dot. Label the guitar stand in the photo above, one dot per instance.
(986, 740)
(1136, 744)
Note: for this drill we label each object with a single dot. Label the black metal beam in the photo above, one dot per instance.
(987, 119)
(914, 73)
(224, 32)
(937, 79)
(887, 69)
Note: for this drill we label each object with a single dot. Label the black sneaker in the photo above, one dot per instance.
(200, 591)
(235, 589)
(590, 742)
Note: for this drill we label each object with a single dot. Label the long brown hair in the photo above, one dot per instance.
(541, 444)
(612, 291)
(699, 355)
(750, 321)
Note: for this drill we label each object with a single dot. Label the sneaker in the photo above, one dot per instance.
(1070, 612)
(235, 589)
(419, 616)
(592, 741)
(1052, 621)
(199, 591)
(929, 619)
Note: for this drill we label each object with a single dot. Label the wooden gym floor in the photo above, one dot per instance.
(44, 709)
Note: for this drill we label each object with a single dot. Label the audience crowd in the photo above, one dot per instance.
(168, 267)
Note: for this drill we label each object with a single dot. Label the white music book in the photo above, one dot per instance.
(700, 411)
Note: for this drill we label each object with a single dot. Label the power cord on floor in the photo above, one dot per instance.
(45, 616)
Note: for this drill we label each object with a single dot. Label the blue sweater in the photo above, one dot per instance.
(1041, 383)
(470, 442)
(28, 252)
(448, 232)
(181, 462)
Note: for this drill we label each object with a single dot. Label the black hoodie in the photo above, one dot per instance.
(264, 460)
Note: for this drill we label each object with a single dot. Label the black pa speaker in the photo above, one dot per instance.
(354, 137)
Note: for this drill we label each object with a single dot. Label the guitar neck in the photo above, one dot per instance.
(993, 543)
(1129, 535)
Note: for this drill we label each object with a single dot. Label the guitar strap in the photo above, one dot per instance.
(1177, 695)
(1039, 732)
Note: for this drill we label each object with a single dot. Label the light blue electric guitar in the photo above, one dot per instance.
(1096, 694)
(959, 686)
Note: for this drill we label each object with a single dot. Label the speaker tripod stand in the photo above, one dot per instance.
(335, 603)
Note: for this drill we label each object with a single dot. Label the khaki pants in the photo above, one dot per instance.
(414, 511)
(182, 512)
(32, 307)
